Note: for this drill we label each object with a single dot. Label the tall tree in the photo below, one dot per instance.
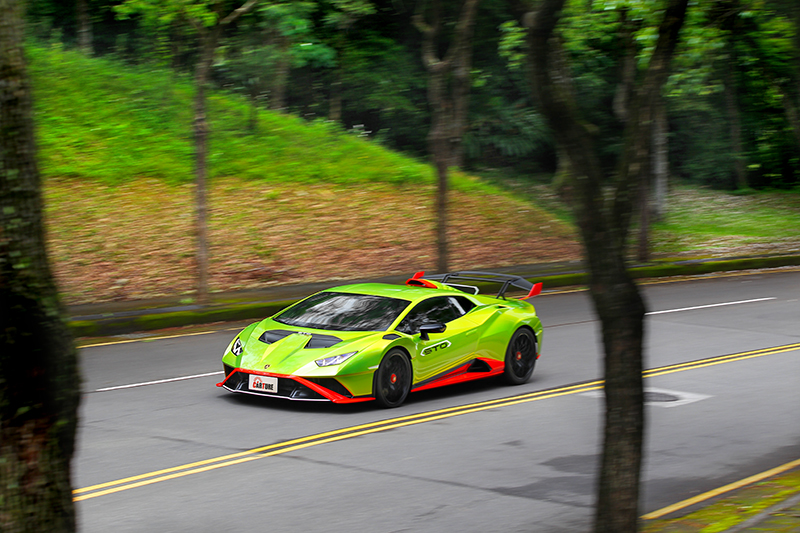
(791, 92)
(727, 13)
(208, 18)
(84, 27)
(343, 14)
(39, 381)
(603, 203)
(449, 82)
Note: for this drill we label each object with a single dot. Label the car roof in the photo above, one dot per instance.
(388, 290)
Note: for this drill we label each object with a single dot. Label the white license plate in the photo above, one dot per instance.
(263, 383)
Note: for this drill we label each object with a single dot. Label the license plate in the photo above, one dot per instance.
(263, 383)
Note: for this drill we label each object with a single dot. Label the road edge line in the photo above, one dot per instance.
(660, 513)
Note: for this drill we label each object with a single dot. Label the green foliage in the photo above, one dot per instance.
(512, 44)
(369, 54)
(699, 219)
(757, 43)
(102, 120)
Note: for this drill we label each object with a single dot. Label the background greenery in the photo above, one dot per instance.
(369, 53)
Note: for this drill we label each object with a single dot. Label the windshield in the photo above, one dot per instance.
(343, 312)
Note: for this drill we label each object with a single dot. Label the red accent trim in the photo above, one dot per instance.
(416, 282)
(460, 375)
(327, 393)
(535, 291)
(418, 274)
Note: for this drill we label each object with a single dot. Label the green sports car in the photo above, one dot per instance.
(376, 341)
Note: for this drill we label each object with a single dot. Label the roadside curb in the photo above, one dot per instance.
(118, 318)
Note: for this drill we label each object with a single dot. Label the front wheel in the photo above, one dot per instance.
(520, 357)
(393, 379)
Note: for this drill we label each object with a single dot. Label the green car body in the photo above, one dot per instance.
(405, 352)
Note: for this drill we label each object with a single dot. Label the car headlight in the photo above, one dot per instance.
(237, 347)
(335, 360)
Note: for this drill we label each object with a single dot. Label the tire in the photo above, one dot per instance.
(393, 379)
(520, 357)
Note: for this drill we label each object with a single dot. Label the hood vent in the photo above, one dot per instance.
(316, 341)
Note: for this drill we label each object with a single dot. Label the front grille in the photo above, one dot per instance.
(287, 388)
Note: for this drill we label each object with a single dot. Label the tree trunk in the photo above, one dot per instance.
(335, 111)
(84, 28)
(39, 380)
(734, 116)
(252, 123)
(207, 47)
(277, 99)
(439, 147)
(643, 251)
(209, 37)
(604, 223)
(660, 161)
(791, 98)
(449, 109)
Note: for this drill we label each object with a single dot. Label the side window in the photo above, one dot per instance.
(462, 305)
(439, 309)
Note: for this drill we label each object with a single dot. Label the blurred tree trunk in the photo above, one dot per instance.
(791, 98)
(448, 95)
(84, 28)
(604, 220)
(277, 100)
(335, 108)
(39, 381)
(208, 43)
(660, 161)
(735, 119)
(209, 39)
(728, 22)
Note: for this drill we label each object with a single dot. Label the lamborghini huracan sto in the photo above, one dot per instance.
(377, 341)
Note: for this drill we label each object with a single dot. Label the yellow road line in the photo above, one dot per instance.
(321, 438)
(385, 425)
(721, 490)
(154, 338)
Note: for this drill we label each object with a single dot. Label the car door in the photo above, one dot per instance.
(441, 352)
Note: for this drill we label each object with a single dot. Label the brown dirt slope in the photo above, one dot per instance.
(136, 240)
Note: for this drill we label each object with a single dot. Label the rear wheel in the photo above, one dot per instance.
(393, 379)
(520, 357)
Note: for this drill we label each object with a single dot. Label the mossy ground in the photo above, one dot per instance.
(737, 507)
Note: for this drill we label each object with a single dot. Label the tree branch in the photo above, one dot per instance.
(236, 13)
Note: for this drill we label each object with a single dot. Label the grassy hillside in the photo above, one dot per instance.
(99, 119)
(296, 201)
(292, 202)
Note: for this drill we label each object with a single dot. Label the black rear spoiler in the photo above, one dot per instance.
(506, 281)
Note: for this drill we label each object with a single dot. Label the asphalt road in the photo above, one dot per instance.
(188, 456)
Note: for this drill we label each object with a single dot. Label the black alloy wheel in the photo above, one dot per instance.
(520, 357)
(393, 379)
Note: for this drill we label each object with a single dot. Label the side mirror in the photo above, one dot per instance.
(431, 327)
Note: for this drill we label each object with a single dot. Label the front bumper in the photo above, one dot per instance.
(291, 387)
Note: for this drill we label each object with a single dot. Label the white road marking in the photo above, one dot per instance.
(707, 306)
(680, 397)
(156, 382)
(183, 378)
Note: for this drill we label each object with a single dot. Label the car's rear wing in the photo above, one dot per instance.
(505, 281)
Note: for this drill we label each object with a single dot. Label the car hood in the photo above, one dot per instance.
(277, 348)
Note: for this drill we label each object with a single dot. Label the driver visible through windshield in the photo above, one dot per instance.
(343, 312)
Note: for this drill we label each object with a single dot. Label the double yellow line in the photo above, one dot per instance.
(198, 467)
